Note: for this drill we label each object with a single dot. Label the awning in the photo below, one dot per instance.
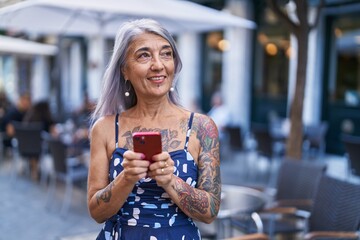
(21, 46)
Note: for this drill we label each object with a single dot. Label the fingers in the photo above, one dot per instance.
(162, 167)
(135, 168)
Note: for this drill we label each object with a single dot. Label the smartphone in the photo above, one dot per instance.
(148, 143)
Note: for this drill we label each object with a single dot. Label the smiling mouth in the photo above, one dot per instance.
(157, 80)
(160, 78)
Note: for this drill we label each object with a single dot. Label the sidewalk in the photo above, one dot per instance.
(25, 216)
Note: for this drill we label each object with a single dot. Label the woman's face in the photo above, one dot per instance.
(150, 65)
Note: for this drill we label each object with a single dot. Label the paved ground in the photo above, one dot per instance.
(24, 215)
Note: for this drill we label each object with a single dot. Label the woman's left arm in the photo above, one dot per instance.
(203, 202)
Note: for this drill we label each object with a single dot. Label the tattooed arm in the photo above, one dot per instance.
(203, 202)
(106, 198)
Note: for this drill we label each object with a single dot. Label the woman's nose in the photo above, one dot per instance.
(156, 64)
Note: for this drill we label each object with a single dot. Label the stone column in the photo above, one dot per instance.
(95, 69)
(236, 81)
(40, 80)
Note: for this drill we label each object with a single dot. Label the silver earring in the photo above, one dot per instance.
(172, 89)
(127, 90)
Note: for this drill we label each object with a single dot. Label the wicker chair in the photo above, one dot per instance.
(297, 184)
(352, 153)
(336, 212)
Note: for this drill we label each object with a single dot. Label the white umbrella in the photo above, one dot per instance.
(21, 46)
(91, 17)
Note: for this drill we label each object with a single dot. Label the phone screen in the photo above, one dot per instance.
(148, 143)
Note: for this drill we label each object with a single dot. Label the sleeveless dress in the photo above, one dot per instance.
(149, 213)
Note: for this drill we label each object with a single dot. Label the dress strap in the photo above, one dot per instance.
(189, 130)
(117, 130)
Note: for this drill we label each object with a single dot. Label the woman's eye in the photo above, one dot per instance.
(167, 54)
(144, 56)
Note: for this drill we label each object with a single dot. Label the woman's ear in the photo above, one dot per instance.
(123, 72)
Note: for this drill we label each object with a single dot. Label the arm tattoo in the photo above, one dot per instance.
(192, 201)
(105, 194)
(209, 163)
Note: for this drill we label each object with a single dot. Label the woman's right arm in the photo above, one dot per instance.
(106, 198)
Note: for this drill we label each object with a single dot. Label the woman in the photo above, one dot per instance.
(40, 112)
(136, 199)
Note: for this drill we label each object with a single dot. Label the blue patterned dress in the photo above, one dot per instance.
(149, 213)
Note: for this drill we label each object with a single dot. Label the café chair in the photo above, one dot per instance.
(314, 142)
(235, 137)
(335, 213)
(66, 169)
(264, 141)
(267, 145)
(296, 186)
(352, 154)
(297, 180)
(28, 144)
(336, 210)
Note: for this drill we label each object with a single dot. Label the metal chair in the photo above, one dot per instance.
(352, 148)
(66, 169)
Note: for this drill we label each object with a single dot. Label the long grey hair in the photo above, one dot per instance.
(112, 99)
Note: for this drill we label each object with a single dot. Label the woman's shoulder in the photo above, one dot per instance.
(104, 122)
(201, 119)
(202, 123)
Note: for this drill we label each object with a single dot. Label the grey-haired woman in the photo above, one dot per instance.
(135, 198)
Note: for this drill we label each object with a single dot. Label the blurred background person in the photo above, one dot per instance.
(15, 113)
(5, 104)
(219, 113)
(40, 112)
(81, 115)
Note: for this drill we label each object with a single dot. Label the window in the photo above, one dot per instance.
(346, 85)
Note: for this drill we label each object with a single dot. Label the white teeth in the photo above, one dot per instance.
(156, 78)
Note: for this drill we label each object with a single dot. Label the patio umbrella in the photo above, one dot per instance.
(92, 17)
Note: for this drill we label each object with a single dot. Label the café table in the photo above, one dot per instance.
(235, 200)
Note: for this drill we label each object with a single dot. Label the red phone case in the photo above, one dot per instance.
(148, 143)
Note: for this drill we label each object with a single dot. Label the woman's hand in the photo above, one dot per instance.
(162, 169)
(135, 167)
